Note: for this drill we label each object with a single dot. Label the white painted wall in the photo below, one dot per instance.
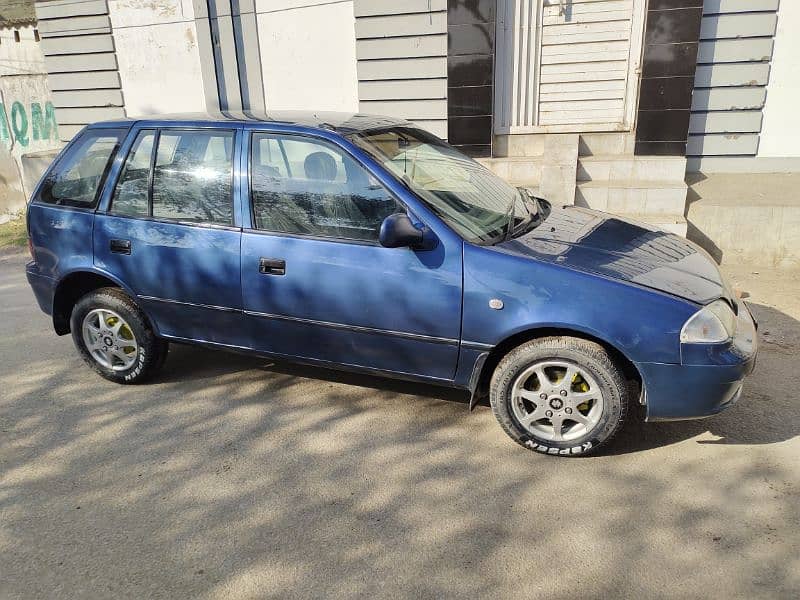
(22, 57)
(159, 65)
(781, 128)
(308, 54)
(23, 94)
(27, 123)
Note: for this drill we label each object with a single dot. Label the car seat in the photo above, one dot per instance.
(334, 210)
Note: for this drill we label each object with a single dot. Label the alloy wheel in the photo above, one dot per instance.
(557, 400)
(109, 339)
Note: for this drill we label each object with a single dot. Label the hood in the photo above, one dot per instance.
(602, 244)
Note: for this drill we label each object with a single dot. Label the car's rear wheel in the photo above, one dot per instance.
(114, 338)
(559, 395)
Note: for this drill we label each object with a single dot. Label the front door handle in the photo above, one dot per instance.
(120, 246)
(272, 266)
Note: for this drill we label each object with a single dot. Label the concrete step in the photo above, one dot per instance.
(633, 196)
(608, 167)
(612, 143)
(516, 170)
(530, 145)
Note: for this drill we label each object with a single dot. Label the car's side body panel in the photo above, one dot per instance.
(354, 302)
(61, 236)
(640, 323)
(64, 239)
(386, 308)
(185, 277)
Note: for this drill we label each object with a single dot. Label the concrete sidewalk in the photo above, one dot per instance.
(234, 477)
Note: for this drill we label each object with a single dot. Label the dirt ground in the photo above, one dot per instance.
(235, 477)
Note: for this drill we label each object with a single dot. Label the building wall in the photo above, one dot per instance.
(733, 68)
(27, 115)
(81, 62)
(157, 56)
(781, 128)
(401, 47)
(308, 54)
(23, 56)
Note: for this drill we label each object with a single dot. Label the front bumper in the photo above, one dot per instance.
(708, 381)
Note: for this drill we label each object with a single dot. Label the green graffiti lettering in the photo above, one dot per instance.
(42, 126)
(19, 123)
(4, 135)
(50, 117)
(37, 123)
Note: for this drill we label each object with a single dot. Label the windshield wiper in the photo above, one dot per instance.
(535, 216)
(509, 221)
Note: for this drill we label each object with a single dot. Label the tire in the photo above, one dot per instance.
(587, 411)
(134, 355)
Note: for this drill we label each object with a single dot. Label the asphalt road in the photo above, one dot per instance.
(234, 477)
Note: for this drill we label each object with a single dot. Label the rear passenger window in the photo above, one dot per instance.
(193, 176)
(78, 177)
(192, 179)
(130, 196)
(308, 186)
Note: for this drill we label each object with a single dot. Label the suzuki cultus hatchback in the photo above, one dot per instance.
(365, 243)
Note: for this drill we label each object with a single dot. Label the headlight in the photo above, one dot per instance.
(712, 324)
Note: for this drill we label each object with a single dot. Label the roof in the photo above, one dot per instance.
(16, 13)
(341, 122)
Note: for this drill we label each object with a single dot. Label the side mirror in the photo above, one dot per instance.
(397, 231)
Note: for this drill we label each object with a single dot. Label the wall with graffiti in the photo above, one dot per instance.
(27, 117)
(40, 125)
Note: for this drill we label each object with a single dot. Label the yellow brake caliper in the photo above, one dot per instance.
(126, 333)
(581, 385)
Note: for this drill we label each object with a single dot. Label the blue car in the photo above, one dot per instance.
(365, 243)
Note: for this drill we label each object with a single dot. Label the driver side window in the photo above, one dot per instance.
(303, 185)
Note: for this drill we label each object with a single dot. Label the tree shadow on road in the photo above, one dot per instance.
(238, 477)
(192, 361)
(758, 418)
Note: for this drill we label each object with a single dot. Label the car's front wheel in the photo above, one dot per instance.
(559, 395)
(114, 338)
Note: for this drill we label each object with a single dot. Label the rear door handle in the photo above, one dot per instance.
(272, 266)
(120, 246)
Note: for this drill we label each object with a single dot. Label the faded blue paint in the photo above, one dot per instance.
(408, 313)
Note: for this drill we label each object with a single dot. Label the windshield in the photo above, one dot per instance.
(477, 204)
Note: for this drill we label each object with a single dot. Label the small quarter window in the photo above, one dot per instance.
(193, 175)
(130, 195)
(78, 177)
(308, 186)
